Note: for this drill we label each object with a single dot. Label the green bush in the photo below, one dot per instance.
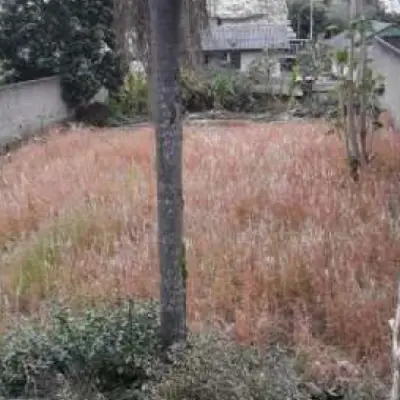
(196, 92)
(67, 38)
(114, 353)
(132, 99)
(108, 349)
(217, 369)
(233, 91)
(201, 91)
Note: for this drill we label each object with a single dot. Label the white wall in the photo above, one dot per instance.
(27, 107)
(386, 61)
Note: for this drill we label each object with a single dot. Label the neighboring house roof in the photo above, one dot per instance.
(341, 41)
(245, 36)
(391, 44)
(378, 26)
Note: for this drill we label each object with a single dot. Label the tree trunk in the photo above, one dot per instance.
(353, 151)
(165, 21)
(194, 19)
(364, 93)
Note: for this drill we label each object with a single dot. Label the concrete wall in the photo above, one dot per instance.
(386, 61)
(27, 107)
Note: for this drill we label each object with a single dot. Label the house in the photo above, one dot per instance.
(383, 51)
(237, 42)
(341, 42)
(385, 61)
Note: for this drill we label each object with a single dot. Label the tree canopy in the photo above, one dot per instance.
(72, 38)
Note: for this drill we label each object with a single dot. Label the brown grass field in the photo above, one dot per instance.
(281, 244)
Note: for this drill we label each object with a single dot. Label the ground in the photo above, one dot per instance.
(282, 245)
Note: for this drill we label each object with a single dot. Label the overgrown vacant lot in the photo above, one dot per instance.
(281, 244)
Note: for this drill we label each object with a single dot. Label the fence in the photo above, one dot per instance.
(27, 107)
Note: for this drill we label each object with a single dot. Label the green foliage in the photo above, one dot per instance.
(74, 39)
(315, 60)
(110, 349)
(216, 369)
(222, 86)
(342, 56)
(132, 98)
(113, 352)
(201, 91)
(232, 91)
(196, 91)
(299, 15)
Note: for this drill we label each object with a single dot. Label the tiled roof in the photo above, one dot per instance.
(245, 36)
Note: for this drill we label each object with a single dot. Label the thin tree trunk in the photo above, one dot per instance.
(193, 21)
(364, 94)
(165, 21)
(353, 156)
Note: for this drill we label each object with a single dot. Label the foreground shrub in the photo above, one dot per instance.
(132, 99)
(217, 369)
(109, 348)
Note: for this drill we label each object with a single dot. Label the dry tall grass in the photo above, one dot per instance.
(282, 245)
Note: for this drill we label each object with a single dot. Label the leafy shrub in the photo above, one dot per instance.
(233, 91)
(132, 99)
(196, 92)
(110, 348)
(201, 91)
(223, 89)
(217, 369)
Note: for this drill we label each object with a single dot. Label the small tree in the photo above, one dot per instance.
(353, 105)
(353, 153)
(358, 90)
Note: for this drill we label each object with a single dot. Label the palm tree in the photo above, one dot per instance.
(165, 49)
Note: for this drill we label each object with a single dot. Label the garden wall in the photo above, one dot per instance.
(27, 107)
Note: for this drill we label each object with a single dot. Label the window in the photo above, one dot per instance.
(236, 59)
(287, 64)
